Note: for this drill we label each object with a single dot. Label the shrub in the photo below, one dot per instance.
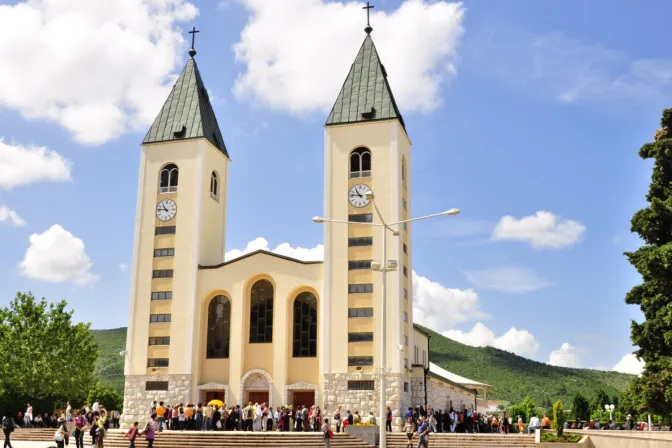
(558, 418)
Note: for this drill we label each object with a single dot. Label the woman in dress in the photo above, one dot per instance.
(257, 418)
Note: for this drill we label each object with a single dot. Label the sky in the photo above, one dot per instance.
(527, 116)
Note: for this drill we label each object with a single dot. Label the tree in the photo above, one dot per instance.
(529, 407)
(106, 396)
(653, 261)
(581, 407)
(601, 399)
(558, 418)
(44, 357)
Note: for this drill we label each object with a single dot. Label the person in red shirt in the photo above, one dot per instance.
(132, 434)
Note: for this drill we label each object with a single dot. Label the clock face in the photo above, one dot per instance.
(166, 210)
(357, 195)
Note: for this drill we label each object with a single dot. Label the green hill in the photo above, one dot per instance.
(110, 365)
(511, 376)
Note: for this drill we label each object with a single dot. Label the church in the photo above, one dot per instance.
(264, 327)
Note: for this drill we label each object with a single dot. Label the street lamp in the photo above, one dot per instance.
(610, 409)
(384, 268)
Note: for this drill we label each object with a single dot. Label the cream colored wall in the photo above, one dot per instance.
(235, 281)
(185, 154)
(422, 343)
(386, 140)
(214, 211)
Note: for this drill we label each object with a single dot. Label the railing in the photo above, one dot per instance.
(168, 189)
(357, 174)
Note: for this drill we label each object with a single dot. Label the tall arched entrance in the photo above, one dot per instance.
(256, 387)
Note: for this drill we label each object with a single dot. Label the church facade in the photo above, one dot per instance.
(264, 327)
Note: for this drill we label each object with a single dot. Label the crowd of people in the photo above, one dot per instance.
(216, 416)
(68, 424)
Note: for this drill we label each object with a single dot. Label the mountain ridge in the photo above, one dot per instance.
(512, 377)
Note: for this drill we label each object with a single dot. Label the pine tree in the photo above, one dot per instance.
(654, 262)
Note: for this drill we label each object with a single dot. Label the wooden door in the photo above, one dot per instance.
(258, 397)
(303, 398)
(215, 395)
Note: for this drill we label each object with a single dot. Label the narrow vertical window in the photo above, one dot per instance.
(214, 186)
(305, 326)
(219, 327)
(261, 312)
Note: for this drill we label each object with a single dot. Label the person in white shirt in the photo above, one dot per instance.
(534, 424)
(68, 412)
(28, 416)
(95, 406)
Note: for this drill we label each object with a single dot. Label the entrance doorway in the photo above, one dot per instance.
(303, 398)
(215, 395)
(257, 397)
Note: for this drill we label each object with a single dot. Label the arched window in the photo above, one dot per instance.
(261, 312)
(214, 186)
(360, 163)
(219, 327)
(168, 178)
(305, 326)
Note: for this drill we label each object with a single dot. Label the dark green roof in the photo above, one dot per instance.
(187, 113)
(366, 94)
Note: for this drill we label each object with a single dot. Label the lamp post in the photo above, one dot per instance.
(610, 409)
(384, 267)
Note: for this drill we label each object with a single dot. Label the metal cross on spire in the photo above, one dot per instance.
(193, 32)
(368, 28)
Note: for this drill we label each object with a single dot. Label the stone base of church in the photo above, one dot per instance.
(337, 393)
(440, 395)
(138, 400)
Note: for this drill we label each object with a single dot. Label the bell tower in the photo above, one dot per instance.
(366, 147)
(180, 223)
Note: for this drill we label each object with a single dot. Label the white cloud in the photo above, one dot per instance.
(23, 165)
(440, 308)
(565, 356)
(569, 70)
(123, 266)
(509, 279)
(629, 364)
(57, 256)
(314, 254)
(95, 68)
(11, 217)
(541, 230)
(298, 62)
(520, 342)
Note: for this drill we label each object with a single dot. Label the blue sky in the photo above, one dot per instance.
(513, 108)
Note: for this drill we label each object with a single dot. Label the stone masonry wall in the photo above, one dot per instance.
(442, 395)
(417, 392)
(336, 394)
(138, 401)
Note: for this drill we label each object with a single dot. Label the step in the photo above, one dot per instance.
(239, 439)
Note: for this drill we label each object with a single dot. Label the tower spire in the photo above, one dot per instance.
(368, 28)
(193, 32)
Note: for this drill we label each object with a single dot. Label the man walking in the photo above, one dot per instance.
(423, 433)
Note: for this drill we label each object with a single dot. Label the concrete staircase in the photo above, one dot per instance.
(199, 439)
(399, 440)
(226, 439)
